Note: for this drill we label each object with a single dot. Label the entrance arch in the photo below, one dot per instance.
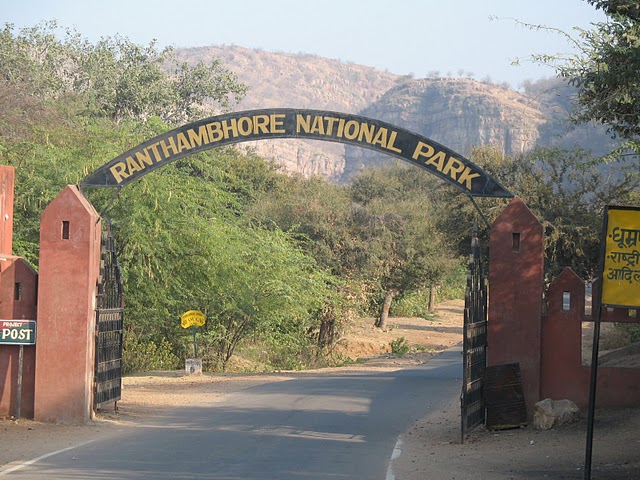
(356, 130)
(189, 139)
(250, 125)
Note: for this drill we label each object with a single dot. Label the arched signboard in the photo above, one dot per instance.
(250, 125)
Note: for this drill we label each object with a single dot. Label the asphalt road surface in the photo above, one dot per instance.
(314, 427)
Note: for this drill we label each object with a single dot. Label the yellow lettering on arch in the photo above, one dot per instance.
(366, 133)
(391, 143)
(260, 124)
(144, 157)
(119, 171)
(423, 150)
(133, 166)
(199, 137)
(183, 142)
(466, 177)
(351, 130)
(318, 125)
(245, 126)
(277, 120)
(215, 132)
(453, 168)
(303, 123)
(437, 161)
(381, 138)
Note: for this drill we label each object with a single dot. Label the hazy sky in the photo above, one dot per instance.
(402, 36)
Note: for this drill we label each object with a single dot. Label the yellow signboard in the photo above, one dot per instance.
(192, 318)
(621, 273)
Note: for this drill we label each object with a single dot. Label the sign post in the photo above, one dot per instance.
(21, 333)
(619, 287)
(19, 382)
(193, 319)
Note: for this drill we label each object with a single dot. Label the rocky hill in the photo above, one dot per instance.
(460, 113)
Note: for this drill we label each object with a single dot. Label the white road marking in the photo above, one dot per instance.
(41, 457)
(397, 451)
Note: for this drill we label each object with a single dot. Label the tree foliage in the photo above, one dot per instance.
(182, 251)
(378, 232)
(114, 78)
(567, 191)
(605, 71)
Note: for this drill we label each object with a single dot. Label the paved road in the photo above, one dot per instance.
(315, 427)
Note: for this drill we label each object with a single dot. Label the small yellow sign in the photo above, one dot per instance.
(621, 273)
(192, 318)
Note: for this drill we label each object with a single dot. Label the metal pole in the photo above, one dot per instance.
(19, 386)
(595, 349)
(482, 217)
(195, 346)
(592, 394)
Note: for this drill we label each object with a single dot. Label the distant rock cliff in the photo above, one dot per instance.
(458, 113)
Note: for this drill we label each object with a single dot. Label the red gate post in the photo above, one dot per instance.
(17, 301)
(516, 272)
(7, 185)
(70, 231)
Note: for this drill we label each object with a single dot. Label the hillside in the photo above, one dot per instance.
(460, 113)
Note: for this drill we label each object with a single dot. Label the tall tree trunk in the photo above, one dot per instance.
(384, 314)
(432, 298)
(327, 328)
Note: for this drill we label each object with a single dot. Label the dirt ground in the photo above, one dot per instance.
(431, 449)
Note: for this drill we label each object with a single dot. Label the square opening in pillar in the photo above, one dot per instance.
(515, 242)
(566, 301)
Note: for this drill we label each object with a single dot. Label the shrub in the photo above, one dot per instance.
(399, 346)
(140, 355)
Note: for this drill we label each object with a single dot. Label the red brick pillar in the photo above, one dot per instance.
(8, 354)
(69, 268)
(7, 185)
(18, 289)
(516, 269)
(17, 301)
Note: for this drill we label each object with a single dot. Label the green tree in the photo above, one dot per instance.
(318, 217)
(605, 72)
(566, 190)
(183, 245)
(115, 77)
(34, 59)
(317, 214)
(405, 250)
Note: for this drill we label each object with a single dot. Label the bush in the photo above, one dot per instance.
(413, 304)
(416, 303)
(399, 346)
(140, 355)
(454, 284)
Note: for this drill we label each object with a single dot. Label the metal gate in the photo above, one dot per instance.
(474, 340)
(109, 325)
